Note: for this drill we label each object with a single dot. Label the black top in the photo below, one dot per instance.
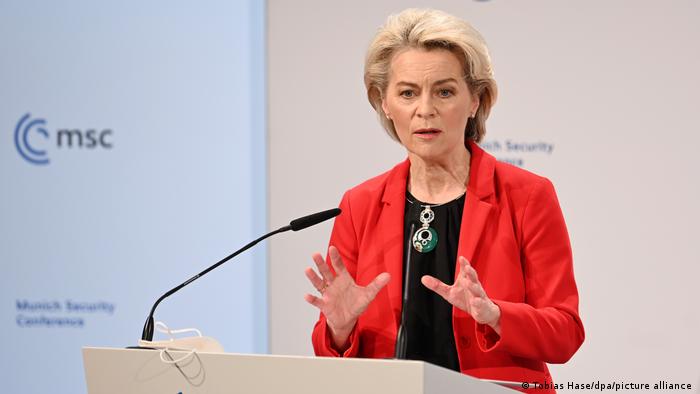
(429, 317)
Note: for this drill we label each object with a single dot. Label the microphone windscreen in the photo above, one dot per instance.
(313, 219)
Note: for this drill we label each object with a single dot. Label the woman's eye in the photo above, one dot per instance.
(407, 94)
(445, 92)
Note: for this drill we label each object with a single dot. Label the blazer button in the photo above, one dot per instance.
(465, 342)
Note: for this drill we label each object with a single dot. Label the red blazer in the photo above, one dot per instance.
(514, 235)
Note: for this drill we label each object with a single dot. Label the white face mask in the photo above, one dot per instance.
(196, 343)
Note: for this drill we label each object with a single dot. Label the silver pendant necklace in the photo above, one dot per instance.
(425, 238)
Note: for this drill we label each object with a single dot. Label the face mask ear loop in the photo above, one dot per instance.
(161, 327)
(171, 361)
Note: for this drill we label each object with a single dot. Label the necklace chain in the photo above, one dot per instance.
(435, 205)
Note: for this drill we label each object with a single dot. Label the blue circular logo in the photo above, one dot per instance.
(27, 151)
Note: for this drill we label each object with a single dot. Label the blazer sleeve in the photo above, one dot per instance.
(546, 326)
(344, 238)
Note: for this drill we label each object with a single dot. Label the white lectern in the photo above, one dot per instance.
(112, 371)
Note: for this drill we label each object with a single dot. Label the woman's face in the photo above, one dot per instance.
(429, 102)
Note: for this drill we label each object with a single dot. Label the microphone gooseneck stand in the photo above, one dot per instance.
(294, 225)
(402, 336)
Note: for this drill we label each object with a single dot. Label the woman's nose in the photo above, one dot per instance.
(426, 107)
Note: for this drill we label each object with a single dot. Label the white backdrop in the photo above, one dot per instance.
(608, 87)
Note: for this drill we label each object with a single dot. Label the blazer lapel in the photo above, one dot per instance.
(390, 227)
(477, 205)
(476, 212)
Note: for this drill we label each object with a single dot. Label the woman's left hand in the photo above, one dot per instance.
(468, 295)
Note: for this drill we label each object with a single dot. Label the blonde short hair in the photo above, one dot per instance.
(432, 29)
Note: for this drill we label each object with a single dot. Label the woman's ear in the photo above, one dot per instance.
(385, 108)
(474, 108)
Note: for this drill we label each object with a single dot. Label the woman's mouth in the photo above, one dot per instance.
(427, 133)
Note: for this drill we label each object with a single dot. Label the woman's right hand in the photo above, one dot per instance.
(342, 301)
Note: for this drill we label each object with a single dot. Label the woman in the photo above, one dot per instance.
(491, 291)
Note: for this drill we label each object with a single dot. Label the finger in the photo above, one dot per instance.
(471, 274)
(463, 266)
(313, 300)
(336, 260)
(377, 284)
(463, 262)
(315, 280)
(476, 290)
(466, 270)
(323, 269)
(436, 285)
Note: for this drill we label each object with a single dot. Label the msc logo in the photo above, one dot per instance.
(30, 154)
(65, 139)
